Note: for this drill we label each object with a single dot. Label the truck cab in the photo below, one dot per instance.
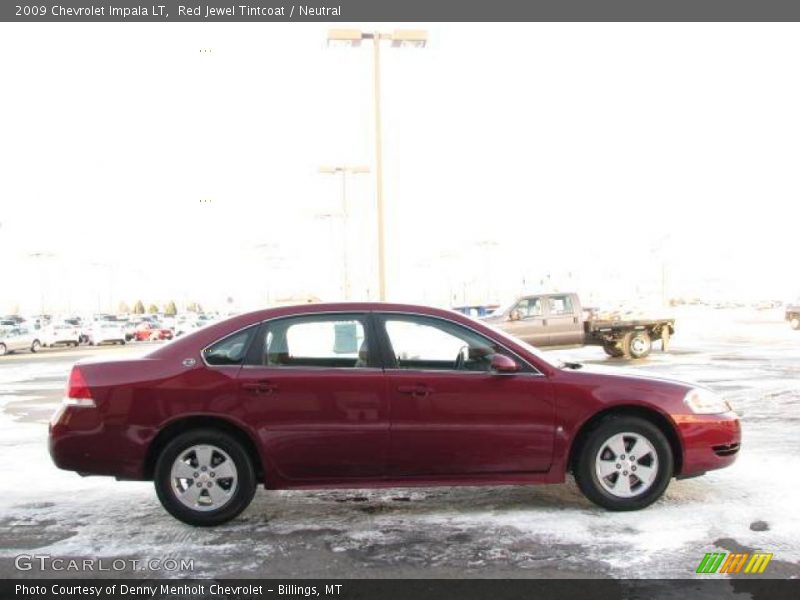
(544, 319)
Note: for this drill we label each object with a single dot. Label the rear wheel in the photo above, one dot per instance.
(36, 346)
(625, 463)
(204, 477)
(636, 344)
(613, 349)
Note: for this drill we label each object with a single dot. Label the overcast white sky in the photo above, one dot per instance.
(594, 153)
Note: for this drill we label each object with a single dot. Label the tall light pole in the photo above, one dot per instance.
(344, 170)
(399, 38)
(270, 253)
(39, 256)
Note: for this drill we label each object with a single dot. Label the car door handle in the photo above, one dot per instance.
(415, 390)
(260, 387)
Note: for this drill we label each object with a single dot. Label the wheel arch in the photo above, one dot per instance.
(169, 431)
(628, 410)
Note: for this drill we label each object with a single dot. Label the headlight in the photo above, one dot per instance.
(706, 402)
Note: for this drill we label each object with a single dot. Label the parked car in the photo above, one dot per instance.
(558, 320)
(130, 329)
(19, 338)
(147, 330)
(66, 333)
(793, 316)
(369, 394)
(83, 328)
(103, 332)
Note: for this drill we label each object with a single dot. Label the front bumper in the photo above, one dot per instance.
(709, 441)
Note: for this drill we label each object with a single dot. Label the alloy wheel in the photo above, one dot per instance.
(204, 477)
(626, 465)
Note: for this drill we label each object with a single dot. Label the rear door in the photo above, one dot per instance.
(316, 394)
(564, 322)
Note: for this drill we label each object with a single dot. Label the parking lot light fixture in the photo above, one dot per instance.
(414, 38)
(411, 38)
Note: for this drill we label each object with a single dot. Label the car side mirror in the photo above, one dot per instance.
(503, 364)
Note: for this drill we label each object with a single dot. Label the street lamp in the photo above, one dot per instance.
(399, 38)
(344, 170)
(39, 256)
(270, 253)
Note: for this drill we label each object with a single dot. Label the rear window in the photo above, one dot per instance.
(230, 350)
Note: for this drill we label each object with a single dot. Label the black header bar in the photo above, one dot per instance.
(392, 589)
(399, 10)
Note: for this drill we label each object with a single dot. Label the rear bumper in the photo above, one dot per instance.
(709, 441)
(79, 441)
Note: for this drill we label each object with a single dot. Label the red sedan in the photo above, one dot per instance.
(367, 395)
(149, 331)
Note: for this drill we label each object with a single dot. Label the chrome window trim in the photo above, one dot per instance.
(365, 313)
(283, 367)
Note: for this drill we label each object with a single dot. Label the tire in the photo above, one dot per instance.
(612, 349)
(36, 346)
(225, 448)
(597, 456)
(3, 349)
(794, 322)
(637, 344)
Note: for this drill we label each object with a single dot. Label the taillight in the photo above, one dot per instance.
(78, 393)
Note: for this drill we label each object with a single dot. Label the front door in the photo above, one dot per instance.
(317, 395)
(452, 416)
(527, 321)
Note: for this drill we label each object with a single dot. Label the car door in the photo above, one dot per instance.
(452, 416)
(527, 321)
(14, 340)
(23, 339)
(563, 320)
(317, 394)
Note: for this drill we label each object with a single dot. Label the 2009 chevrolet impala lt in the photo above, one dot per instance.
(368, 395)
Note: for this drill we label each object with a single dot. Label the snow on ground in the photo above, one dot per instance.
(752, 358)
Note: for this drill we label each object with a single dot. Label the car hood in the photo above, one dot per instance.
(616, 374)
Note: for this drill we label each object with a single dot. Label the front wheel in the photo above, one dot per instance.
(795, 323)
(625, 463)
(204, 477)
(36, 346)
(3, 349)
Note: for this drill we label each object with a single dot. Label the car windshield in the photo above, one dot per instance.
(532, 349)
(504, 307)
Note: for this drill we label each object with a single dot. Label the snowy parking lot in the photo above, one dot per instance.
(752, 357)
